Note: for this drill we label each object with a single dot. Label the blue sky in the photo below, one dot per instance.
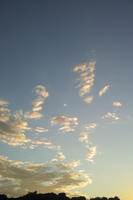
(66, 97)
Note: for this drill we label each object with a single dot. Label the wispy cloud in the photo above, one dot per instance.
(91, 153)
(33, 115)
(67, 124)
(85, 133)
(61, 156)
(41, 130)
(4, 114)
(41, 91)
(35, 109)
(117, 103)
(3, 102)
(111, 115)
(104, 90)
(88, 99)
(16, 177)
(42, 95)
(69, 165)
(86, 78)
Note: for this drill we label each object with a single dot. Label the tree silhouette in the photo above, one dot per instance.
(52, 196)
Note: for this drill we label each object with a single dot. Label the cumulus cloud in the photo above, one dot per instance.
(104, 90)
(12, 131)
(117, 103)
(16, 178)
(111, 115)
(86, 78)
(67, 124)
(91, 153)
(85, 133)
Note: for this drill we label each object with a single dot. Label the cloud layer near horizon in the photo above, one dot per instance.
(18, 178)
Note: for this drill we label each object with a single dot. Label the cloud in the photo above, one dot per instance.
(12, 131)
(16, 177)
(33, 115)
(104, 90)
(88, 99)
(4, 114)
(35, 109)
(111, 115)
(41, 130)
(46, 143)
(69, 165)
(37, 103)
(60, 156)
(41, 91)
(42, 95)
(67, 124)
(87, 130)
(86, 78)
(90, 126)
(3, 103)
(117, 103)
(65, 105)
(91, 153)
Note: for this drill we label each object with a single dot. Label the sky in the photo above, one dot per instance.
(66, 104)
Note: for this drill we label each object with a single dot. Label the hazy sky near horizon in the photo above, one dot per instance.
(66, 108)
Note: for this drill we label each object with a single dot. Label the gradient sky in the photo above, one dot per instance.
(66, 69)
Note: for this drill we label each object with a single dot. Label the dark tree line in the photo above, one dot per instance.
(51, 196)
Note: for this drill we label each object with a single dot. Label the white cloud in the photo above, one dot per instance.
(69, 165)
(84, 137)
(86, 78)
(4, 114)
(41, 130)
(36, 109)
(41, 91)
(65, 105)
(67, 124)
(33, 115)
(60, 156)
(111, 115)
(16, 178)
(3, 103)
(104, 90)
(91, 153)
(88, 99)
(42, 95)
(12, 131)
(37, 102)
(90, 126)
(87, 130)
(117, 103)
